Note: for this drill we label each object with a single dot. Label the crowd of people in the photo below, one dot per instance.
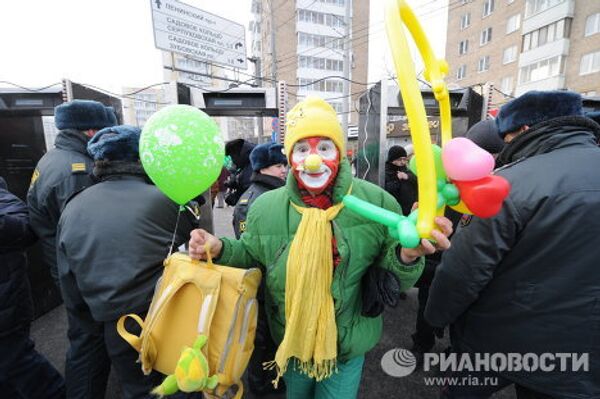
(523, 281)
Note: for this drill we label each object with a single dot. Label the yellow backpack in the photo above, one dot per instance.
(193, 298)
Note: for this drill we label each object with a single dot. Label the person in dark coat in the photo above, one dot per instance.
(112, 239)
(399, 181)
(269, 166)
(239, 150)
(269, 170)
(24, 373)
(526, 280)
(64, 170)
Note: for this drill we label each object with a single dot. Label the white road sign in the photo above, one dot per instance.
(187, 30)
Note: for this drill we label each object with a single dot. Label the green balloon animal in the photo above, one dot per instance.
(191, 372)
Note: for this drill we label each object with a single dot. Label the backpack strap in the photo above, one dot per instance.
(133, 340)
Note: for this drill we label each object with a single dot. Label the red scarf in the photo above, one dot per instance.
(323, 201)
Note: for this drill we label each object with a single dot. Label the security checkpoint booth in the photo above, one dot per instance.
(383, 123)
(27, 132)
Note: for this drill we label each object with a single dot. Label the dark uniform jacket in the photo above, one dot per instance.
(112, 240)
(240, 180)
(60, 173)
(528, 279)
(260, 184)
(16, 307)
(405, 191)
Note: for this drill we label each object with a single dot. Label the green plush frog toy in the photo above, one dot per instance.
(191, 372)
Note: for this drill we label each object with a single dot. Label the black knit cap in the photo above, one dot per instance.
(395, 152)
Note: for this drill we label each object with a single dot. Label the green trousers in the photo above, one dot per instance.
(343, 384)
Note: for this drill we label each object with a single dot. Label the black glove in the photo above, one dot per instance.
(380, 287)
(232, 198)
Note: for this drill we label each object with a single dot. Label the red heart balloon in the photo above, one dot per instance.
(484, 196)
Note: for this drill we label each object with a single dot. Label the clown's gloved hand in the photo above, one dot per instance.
(380, 287)
(191, 372)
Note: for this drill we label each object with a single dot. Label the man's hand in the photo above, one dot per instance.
(402, 175)
(197, 245)
(442, 243)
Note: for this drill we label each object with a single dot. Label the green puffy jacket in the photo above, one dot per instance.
(271, 225)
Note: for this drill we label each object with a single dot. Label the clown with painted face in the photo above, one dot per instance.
(314, 254)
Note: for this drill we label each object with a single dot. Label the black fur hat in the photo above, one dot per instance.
(117, 143)
(84, 115)
(265, 155)
(537, 106)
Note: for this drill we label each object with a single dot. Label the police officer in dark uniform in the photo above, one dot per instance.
(112, 239)
(269, 169)
(24, 373)
(269, 166)
(64, 170)
(526, 280)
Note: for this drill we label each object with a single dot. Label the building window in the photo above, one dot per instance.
(506, 86)
(463, 47)
(338, 107)
(513, 23)
(311, 40)
(320, 18)
(509, 55)
(510, 1)
(465, 21)
(484, 64)
(543, 69)
(461, 73)
(320, 63)
(486, 36)
(488, 7)
(590, 63)
(533, 7)
(592, 24)
(547, 34)
(327, 85)
(463, 2)
(334, 2)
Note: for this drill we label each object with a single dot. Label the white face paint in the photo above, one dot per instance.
(328, 153)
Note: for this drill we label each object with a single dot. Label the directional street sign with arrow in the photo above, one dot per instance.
(183, 29)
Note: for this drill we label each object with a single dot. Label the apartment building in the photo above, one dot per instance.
(304, 41)
(522, 45)
(139, 105)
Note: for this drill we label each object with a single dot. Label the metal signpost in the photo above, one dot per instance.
(183, 29)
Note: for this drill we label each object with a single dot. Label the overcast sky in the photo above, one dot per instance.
(110, 43)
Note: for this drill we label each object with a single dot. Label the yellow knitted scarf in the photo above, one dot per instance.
(310, 329)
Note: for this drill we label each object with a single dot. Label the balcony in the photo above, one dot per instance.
(552, 14)
(558, 47)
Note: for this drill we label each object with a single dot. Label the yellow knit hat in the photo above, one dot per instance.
(313, 117)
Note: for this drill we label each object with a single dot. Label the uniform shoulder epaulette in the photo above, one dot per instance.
(78, 167)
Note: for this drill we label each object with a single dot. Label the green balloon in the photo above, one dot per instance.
(440, 173)
(399, 227)
(182, 151)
